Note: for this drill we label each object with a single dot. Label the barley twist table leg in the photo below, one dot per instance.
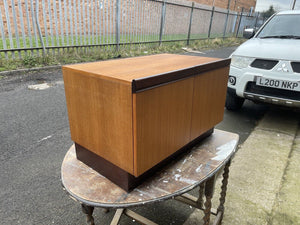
(207, 209)
(201, 193)
(223, 190)
(88, 210)
(209, 190)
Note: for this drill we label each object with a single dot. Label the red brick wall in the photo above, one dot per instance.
(235, 5)
(25, 21)
(177, 18)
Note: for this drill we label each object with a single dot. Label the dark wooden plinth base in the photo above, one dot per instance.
(119, 176)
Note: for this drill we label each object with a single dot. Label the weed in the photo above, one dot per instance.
(85, 54)
(30, 61)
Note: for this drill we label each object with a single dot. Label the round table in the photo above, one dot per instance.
(198, 167)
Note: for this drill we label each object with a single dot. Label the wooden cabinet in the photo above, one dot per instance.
(129, 115)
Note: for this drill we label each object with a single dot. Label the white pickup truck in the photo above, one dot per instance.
(266, 68)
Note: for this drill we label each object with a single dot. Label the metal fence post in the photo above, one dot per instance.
(28, 25)
(162, 21)
(22, 25)
(16, 26)
(226, 21)
(66, 21)
(118, 20)
(34, 26)
(11, 43)
(211, 20)
(38, 27)
(225, 26)
(3, 36)
(255, 25)
(190, 25)
(293, 5)
(239, 24)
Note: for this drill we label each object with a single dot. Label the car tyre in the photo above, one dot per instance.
(233, 102)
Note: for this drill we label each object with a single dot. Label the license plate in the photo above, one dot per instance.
(281, 84)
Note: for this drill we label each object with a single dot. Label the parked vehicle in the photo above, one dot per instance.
(266, 68)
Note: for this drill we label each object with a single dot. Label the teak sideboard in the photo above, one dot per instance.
(128, 115)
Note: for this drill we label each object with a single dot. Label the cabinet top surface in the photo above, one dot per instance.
(129, 69)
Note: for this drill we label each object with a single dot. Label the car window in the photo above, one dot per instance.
(281, 26)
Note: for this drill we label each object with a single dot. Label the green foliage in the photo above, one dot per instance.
(269, 12)
(215, 43)
(84, 54)
(30, 61)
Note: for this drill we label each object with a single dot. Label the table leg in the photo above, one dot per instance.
(223, 190)
(88, 210)
(209, 190)
(200, 198)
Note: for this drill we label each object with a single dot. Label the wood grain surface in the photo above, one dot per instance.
(208, 100)
(162, 118)
(128, 69)
(205, 160)
(100, 117)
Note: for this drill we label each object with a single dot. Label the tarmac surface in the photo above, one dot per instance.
(34, 134)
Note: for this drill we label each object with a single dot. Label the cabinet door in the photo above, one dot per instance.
(209, 100)
(162, 120)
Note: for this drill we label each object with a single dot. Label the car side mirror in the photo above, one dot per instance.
(248, 33)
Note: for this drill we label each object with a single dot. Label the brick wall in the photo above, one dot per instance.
(27, 21)
(137, 17)
(235, 5)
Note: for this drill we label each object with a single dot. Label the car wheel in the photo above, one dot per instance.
(233, 102)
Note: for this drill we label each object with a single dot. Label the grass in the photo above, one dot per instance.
(93, 39)
(72, 40)
(103, 53)
(215, 43)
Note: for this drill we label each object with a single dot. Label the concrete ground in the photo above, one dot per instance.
(264, 179)
(34, 134)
